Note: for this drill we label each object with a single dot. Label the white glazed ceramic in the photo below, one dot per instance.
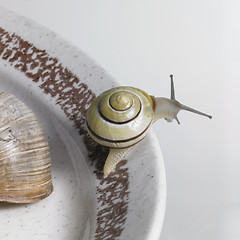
(58, 82)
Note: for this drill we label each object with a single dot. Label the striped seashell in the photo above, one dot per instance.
(25, 174)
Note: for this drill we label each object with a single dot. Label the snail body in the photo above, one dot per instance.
(25, 174)
(121, 117)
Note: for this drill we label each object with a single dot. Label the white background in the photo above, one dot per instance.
(142, 42)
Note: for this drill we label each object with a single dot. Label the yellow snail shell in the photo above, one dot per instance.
(121, 117)
(25, 175)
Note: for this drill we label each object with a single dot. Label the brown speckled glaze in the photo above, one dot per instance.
(67, 90)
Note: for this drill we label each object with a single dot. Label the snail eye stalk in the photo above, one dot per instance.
(172, 88)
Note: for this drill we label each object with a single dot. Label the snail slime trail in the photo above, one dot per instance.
(25, 174)
(124, 116)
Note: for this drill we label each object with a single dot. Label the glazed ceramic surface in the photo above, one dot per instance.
(58, 82)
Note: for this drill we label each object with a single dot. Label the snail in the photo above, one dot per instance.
(25, 175)
(119, 118)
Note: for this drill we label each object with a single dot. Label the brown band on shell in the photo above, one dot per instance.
(55, 80)
(114, 122)
(154, 104)
(118, 141)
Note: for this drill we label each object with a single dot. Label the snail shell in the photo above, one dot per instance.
(25, 175)
(120, 117)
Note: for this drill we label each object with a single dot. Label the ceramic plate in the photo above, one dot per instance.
(58, 82)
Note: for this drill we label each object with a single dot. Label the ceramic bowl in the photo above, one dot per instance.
(58, 82)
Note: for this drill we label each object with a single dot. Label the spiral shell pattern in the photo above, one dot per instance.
(24, 154)
(120, 117)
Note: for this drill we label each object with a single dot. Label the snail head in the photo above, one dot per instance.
(169, 108)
